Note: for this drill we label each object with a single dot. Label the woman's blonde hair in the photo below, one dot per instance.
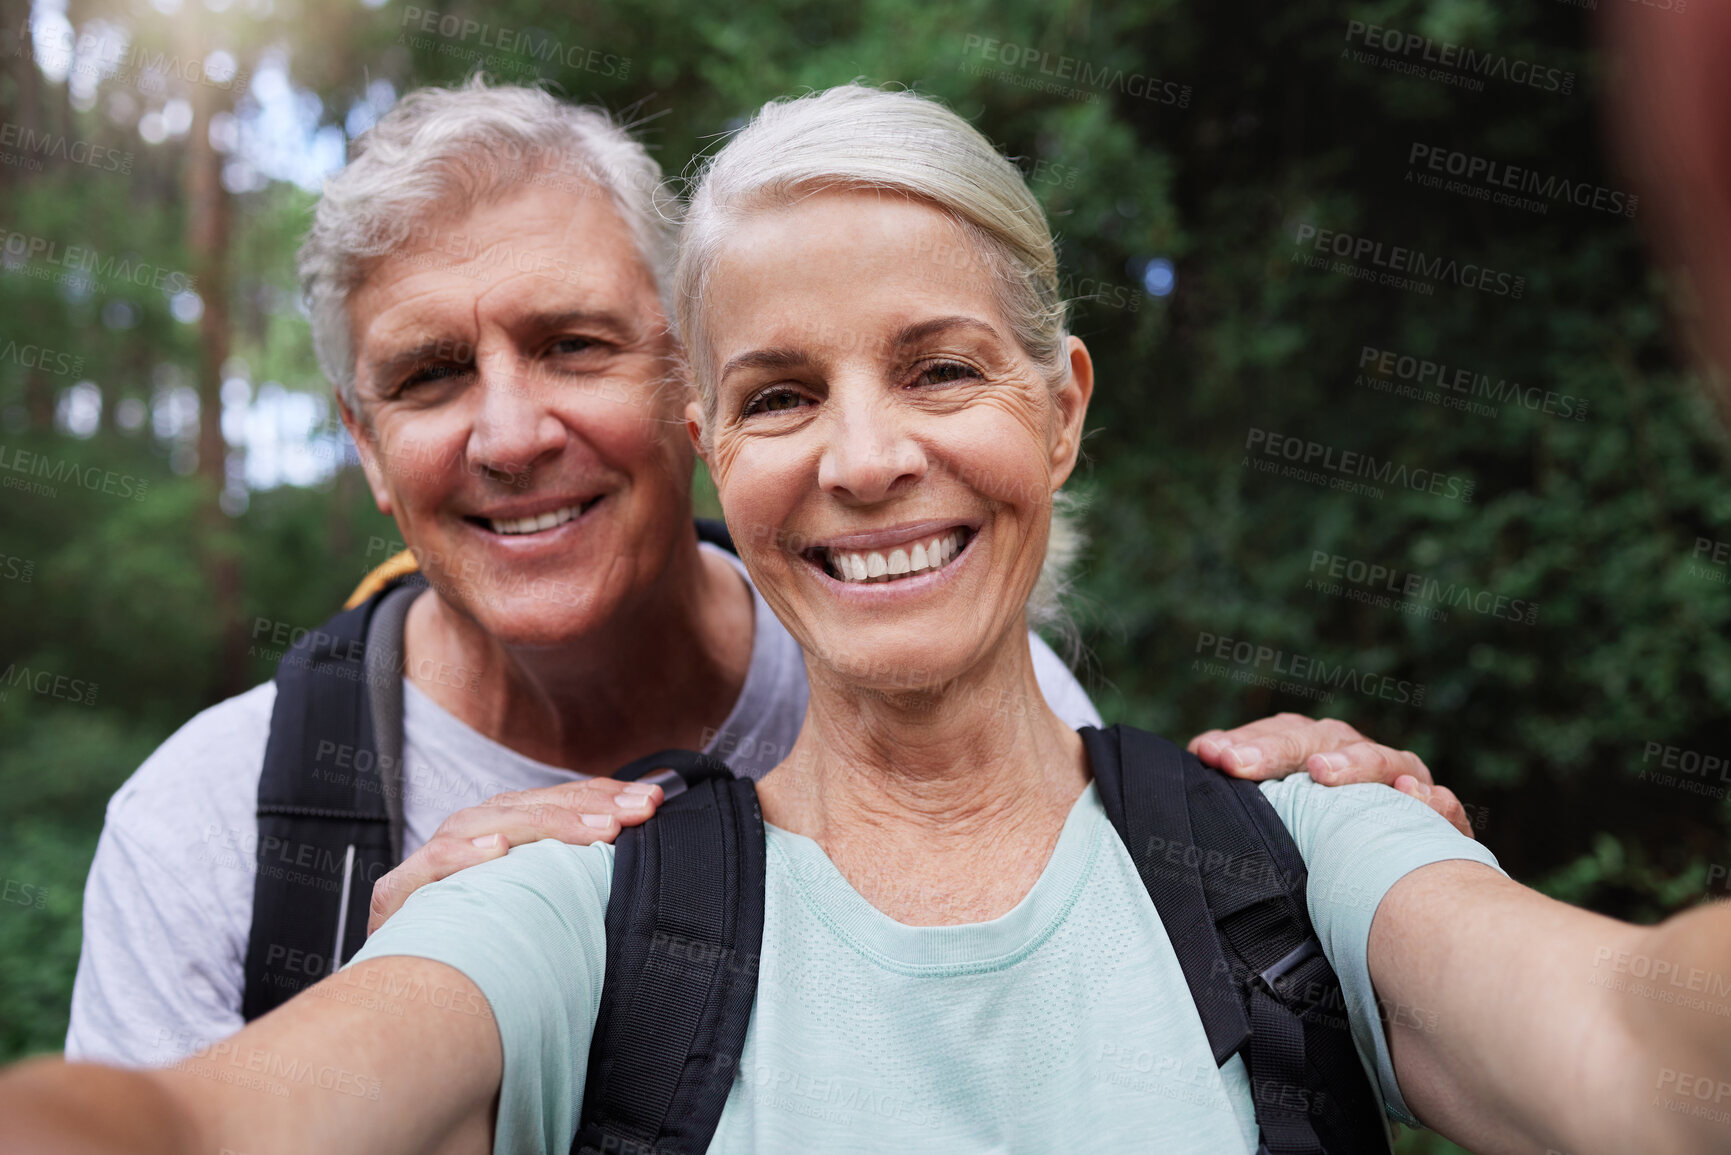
(859, 137)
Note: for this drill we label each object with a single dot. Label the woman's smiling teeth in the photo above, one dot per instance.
(548, 520)
(900, 562)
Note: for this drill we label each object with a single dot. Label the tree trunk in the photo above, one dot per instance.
(25, 97)
(208, 227)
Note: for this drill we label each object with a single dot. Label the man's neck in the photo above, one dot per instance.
(664, 672)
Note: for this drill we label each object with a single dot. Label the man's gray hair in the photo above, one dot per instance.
(446, 150)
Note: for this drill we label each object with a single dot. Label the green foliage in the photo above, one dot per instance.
(1541, 726)
(44, 868)
(57, 769)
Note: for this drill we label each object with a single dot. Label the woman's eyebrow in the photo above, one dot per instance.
(772, 359)
(923, 330)
(782, 359)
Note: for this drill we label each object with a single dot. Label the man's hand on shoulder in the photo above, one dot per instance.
(579, 813)
(1331, 751)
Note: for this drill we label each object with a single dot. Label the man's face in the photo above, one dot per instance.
(517, 414)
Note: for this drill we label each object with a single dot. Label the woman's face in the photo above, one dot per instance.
(884, 450)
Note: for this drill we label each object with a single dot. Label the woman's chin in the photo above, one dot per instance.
(919, 654)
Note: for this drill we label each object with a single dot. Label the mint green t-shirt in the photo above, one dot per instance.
(1064, 1024)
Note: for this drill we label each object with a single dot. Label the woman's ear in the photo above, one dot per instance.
(1072, 400)
(694, 428)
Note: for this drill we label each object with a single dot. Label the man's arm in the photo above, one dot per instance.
(1331, 752)
(1555, 1028)
(322, 1073)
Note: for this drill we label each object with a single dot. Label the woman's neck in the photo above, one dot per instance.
(661, 673)
(960, 789)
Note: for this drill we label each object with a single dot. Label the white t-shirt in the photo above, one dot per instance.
(168, 904)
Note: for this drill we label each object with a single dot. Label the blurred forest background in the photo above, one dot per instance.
(173, 472)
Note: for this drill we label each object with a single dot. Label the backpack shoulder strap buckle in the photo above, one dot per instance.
(1274, 979)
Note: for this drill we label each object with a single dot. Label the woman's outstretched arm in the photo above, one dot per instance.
(1546, 1027)
(392, 1054)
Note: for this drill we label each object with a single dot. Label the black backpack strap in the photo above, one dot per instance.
(386, 661)
(1141, 782)
(325, 825)
(1229, 884)
(684, 935)
(715, 532)
(673, 770)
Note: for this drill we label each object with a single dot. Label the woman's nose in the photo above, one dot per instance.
(514, 427)
(870, 454)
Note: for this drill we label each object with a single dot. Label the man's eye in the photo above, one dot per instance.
(439, 372)
(945, 373)
(777, 400)
(567, 345)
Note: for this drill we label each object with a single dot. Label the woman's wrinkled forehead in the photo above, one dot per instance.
(840, 271)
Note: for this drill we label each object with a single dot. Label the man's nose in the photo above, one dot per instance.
(514, 427)
(870, 454)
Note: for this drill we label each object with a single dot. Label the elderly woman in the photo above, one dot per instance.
(888, 400)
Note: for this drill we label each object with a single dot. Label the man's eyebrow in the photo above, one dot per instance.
(463, 350)
(782, 359)
(577, 319)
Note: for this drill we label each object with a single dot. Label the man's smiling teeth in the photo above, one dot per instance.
(535, 524)
(883, 566)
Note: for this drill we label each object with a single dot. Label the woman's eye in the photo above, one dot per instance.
(774, 401)
(945, 373)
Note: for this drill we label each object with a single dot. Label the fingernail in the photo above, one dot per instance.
(486, 841)
(1247, 757)
(596, 820)
(640, 788)
(1333, 761)
(630, 801)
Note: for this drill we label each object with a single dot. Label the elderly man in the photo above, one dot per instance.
(485, 283)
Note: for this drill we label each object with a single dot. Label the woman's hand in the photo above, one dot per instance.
(579, 813)
(1332, 752)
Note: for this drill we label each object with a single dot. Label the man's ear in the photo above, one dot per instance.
(1072, 400)
(366, 446)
